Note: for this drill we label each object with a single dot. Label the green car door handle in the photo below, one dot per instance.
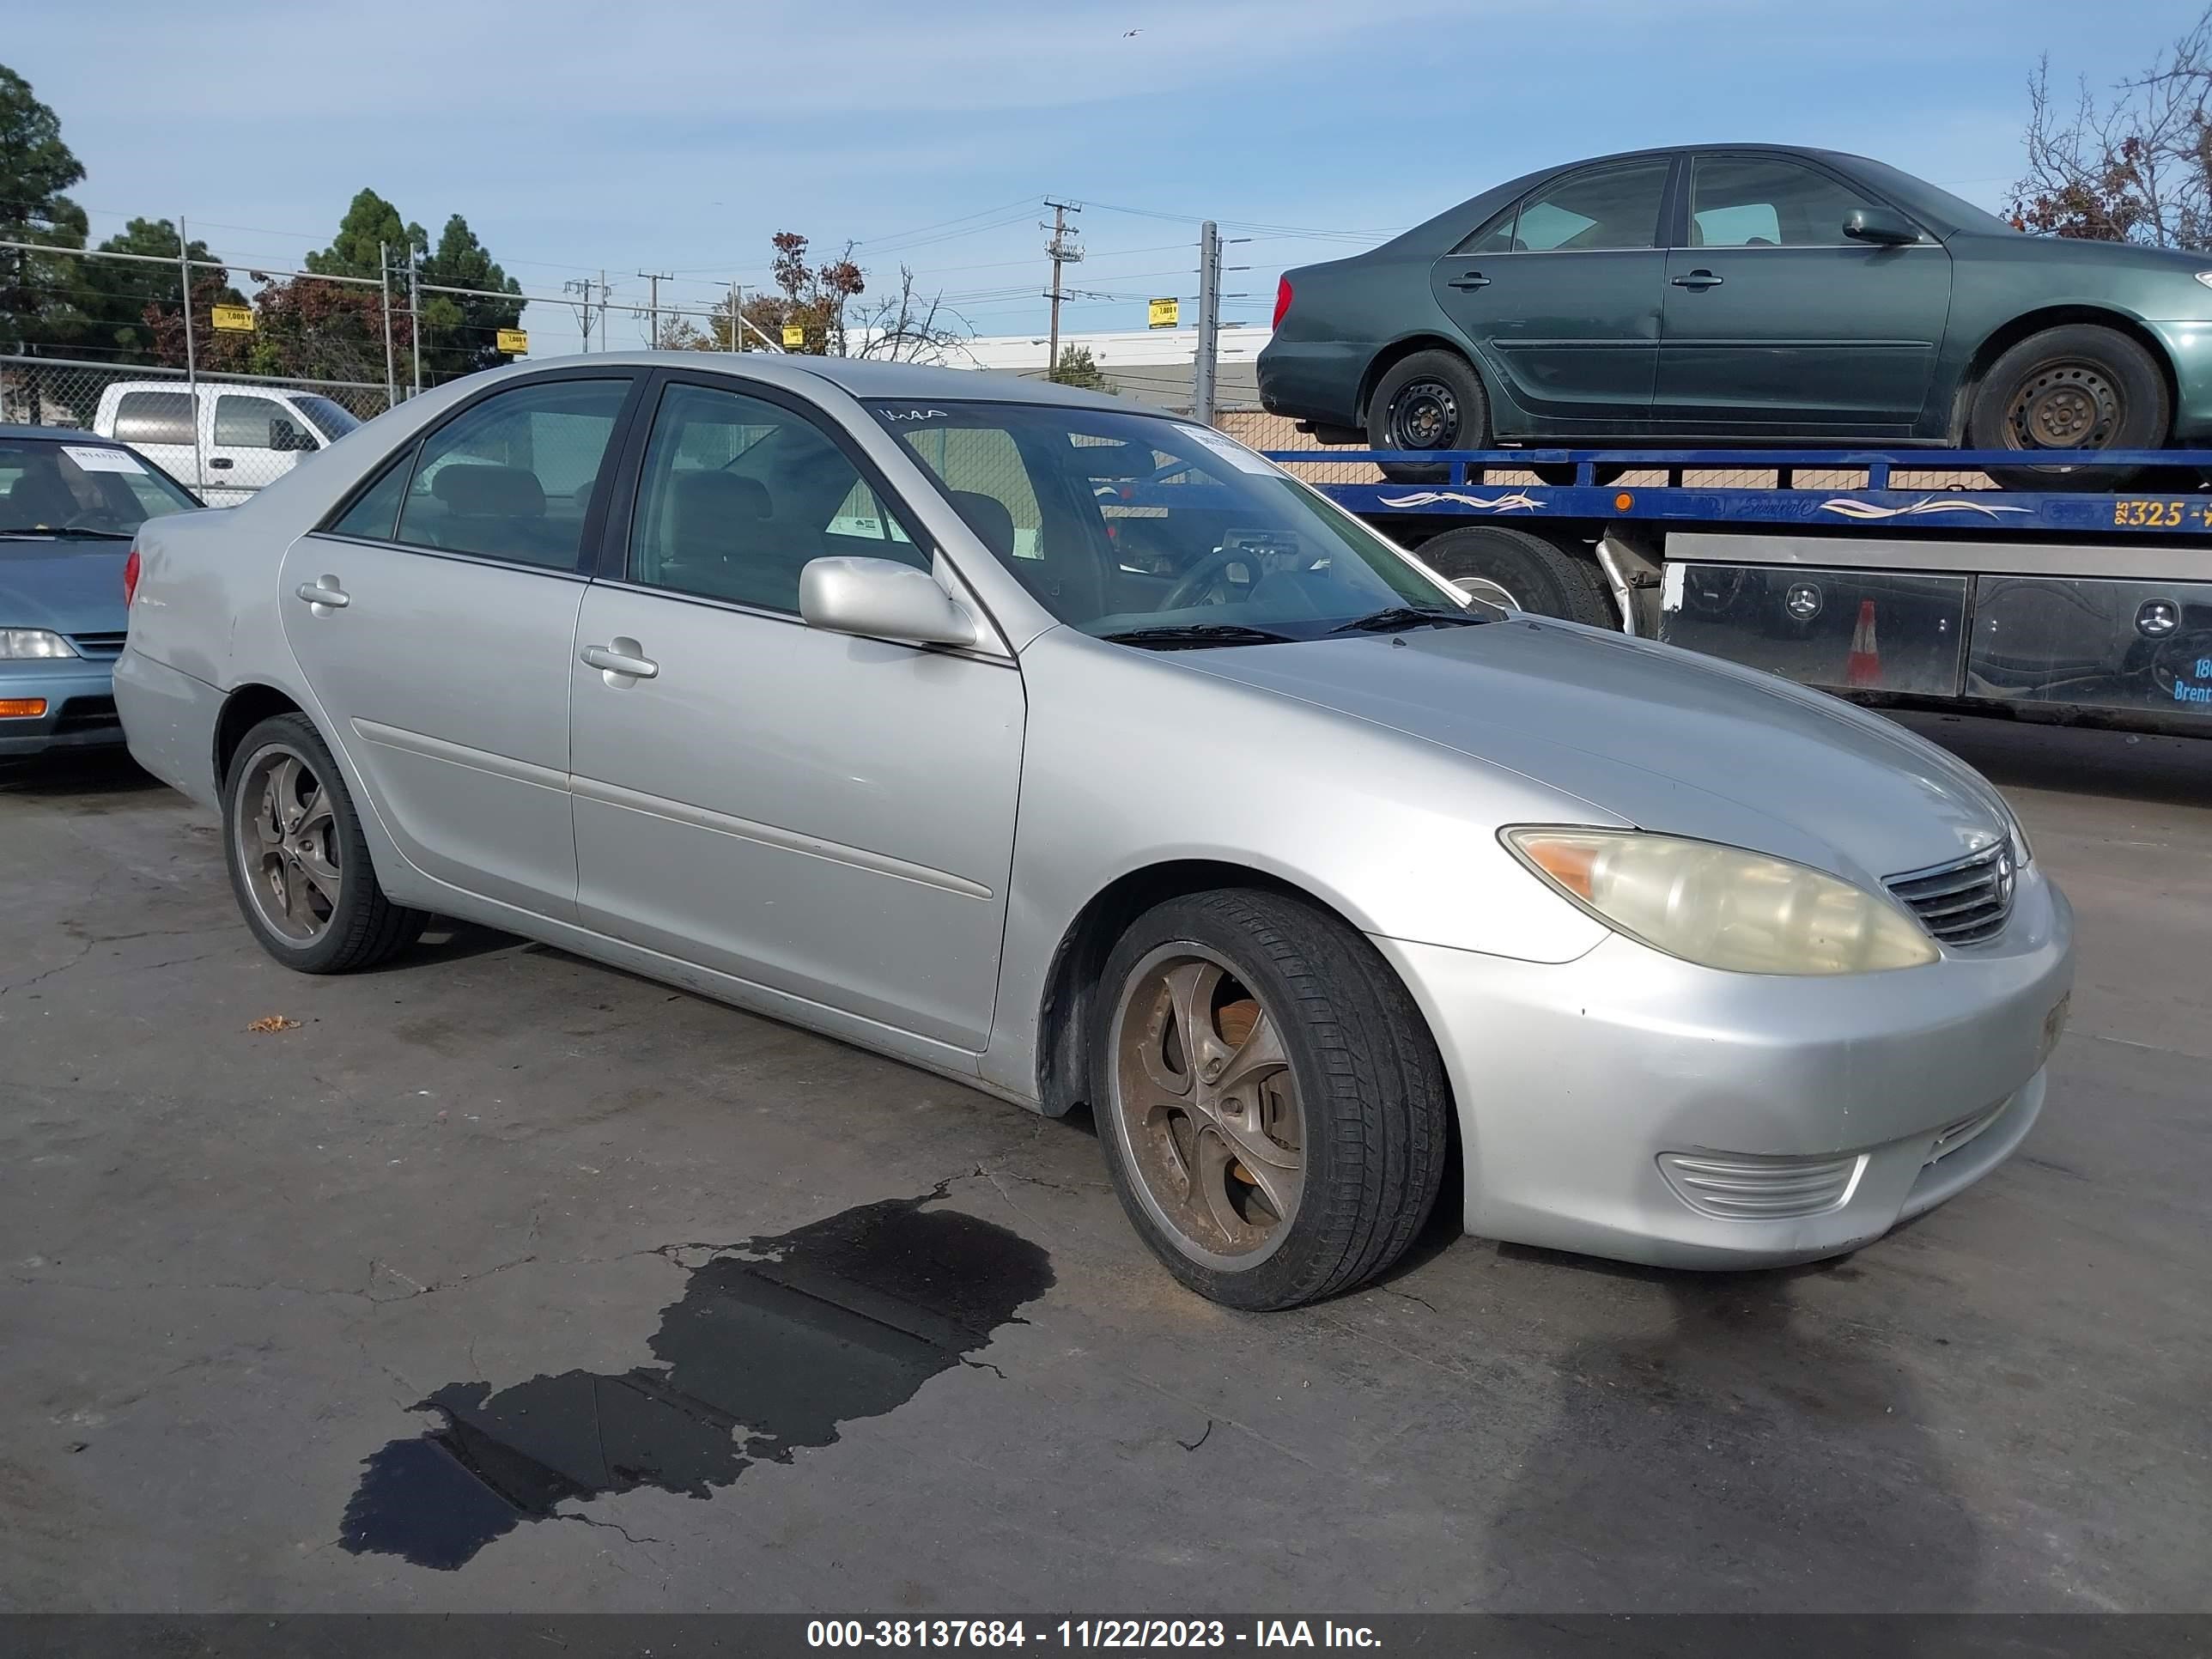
(1698, 279)
(1469, 279)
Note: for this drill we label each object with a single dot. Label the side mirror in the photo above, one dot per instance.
(882, 599)
(1879, 225)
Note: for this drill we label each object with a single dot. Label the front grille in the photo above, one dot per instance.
(86, 715)
(1965, 901)
(98, 647)
(1744, 1188)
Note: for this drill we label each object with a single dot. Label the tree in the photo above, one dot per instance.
(2135, 168)
(125, 301)
(371, 227)
(902, 330)
(813, 298)
(1077, 367)
(460, 333)
(38, 292)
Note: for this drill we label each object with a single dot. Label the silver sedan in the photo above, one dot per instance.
(1078, 753)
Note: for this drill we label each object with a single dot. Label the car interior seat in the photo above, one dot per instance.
(40, 498)
(1074, 589)
(491, 508)
(715, 546)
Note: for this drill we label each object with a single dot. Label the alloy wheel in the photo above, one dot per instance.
(285, 825)
(1207, 1108)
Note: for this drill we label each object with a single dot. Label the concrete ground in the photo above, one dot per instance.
(234, 1263)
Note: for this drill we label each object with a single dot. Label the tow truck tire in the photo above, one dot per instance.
(2078, 385)
(1513, 568)
(1434, 390)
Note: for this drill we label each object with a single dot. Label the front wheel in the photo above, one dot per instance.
(1433, 400)
(298, 861)
(1271, 1108)
(2077, 387)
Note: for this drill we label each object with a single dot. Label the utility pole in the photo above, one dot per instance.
(1060, 252)
(192, 360)
(384, 288)
(653, 305)
(737, 316)
(1209, 324)
(415, 317)
(605, 294)
(581, 287)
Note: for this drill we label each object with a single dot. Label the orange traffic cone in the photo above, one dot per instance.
(1864, 666)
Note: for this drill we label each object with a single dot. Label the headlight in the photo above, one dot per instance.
(21, 642)
(1721, 907)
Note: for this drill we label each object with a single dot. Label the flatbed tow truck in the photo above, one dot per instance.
(2066, 605)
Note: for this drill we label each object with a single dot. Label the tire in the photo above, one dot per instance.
(1434, 397)
(284, 875)
(1513, 568)
(2078, 386)
(1368, 1104)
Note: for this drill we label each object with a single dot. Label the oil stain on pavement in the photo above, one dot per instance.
(776, 1343)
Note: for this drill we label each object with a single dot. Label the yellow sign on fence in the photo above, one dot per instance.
(794, 337)
(1165, 313)
(514, 342)
(239, 319)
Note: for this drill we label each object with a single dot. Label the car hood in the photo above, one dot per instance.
(1663, 739)
(72, 587)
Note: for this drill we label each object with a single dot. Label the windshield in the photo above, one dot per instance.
(94, 491)
(332, 420)
(1153, 529)
(1930, 201)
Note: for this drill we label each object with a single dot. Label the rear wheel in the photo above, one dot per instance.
(1433, 400)
(1273, 1111)
(2077, 387)
(298, 861)
(1513, 568)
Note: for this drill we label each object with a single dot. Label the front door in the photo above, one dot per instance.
(1776, 321)
(827, 816)
(1561, 296)
(435, 621)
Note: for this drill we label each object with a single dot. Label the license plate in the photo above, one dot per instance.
(2054, 1025)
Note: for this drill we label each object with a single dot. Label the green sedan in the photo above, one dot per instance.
(1744, 293)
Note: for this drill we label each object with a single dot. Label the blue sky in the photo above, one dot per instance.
(678, 137)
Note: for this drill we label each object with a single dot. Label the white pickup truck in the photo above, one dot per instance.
(225, 441)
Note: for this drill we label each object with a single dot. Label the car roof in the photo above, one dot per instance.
(67, 435)
(860, 377)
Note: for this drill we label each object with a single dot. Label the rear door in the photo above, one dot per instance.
(1561, 294)
(1775, 320)
(435, 619)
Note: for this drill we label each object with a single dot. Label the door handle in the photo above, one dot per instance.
(220, 463)
(620, 658)
(1698, 279)
(323, 595)
(1469, 279)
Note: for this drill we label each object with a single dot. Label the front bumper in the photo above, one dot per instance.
(1630, 1105)
(79, 694)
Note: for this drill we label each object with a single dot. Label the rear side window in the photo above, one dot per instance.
(375, 511)
(1600, 208)
(513, 478)
(155, 417)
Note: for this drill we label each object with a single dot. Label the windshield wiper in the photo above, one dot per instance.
(41, 532)
(1196, 634)
(1399, 618)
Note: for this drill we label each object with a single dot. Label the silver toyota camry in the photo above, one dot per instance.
(1080, 754)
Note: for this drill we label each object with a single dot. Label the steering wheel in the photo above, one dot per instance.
(83, 517)
(1202, 577)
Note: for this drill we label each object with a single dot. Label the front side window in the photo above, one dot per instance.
(1600, 208)
(244, 423)
(1764, 202)
(154, 417)
(739, 494)
(514, 476)
(1154, 530)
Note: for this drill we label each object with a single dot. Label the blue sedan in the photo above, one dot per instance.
(70, 505)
